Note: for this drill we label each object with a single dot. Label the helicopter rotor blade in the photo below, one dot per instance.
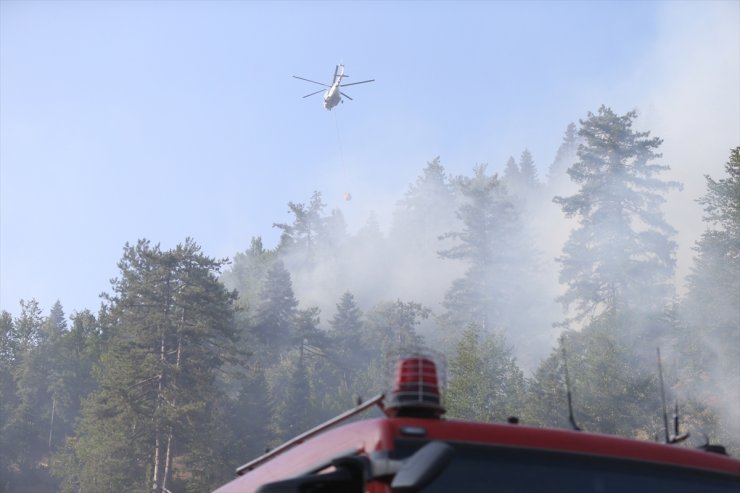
(309, 80)
(340, 92)
(355, 83)
(307, 95)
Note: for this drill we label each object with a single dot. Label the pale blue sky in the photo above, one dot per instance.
(167, 119)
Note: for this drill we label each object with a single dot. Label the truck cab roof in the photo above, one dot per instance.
(391, 435)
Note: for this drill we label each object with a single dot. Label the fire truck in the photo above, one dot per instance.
(413, 449)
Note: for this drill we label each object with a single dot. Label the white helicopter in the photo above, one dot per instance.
(333, 95)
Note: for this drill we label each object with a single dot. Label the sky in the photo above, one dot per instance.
(122, 120)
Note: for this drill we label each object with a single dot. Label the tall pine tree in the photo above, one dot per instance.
(709, 345)
(557, 175)
(426, 211)
(173, 327)
(304, 235)
(346, 326)
(276, 312)
(485, 245)
(621, 256)
(27, 426)
(617, 266)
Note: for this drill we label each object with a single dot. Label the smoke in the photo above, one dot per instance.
(686, 94)
(694, 105)
(375, 258)
(401, 261)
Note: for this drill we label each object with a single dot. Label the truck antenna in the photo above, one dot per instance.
(567, 387)
(676, 438)
(662, 399)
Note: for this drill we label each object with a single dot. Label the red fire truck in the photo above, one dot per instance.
(412, 449)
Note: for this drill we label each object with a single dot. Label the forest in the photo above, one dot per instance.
(194, 365)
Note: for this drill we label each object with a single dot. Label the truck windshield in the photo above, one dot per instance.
(478, 469)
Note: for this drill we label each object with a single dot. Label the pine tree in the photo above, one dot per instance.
(521, 179)
(621, 257)
(426, 211)
(614, 391)
(28, 325)
(335, 358)
(276, 312)
(709, 344)
(485, 382)
(346, 327)
(617, 266)
(393, 326)
(565, 157)
(247, 275)
(173, 327)
(391, 330)
(484, 244)
(305, 233)
(77, 353)
(294, 413)
(237, 432)
(35, 411)
(27, 424)
(306, 334)
(335, 232)
(55, 329)
(512, 174)
(248, 271)
(311, 249)
(365, 257)
(251, 413)
(722, 203)
(528, 171)
(408, 263)
(9, 355)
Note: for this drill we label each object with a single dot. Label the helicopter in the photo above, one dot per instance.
(333, 95)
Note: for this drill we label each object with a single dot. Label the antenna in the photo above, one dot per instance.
(675, 420)
(676, 438)
(714, 448)
(662, 399)
(567, 387)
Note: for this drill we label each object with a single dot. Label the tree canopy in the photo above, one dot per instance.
(194, 365)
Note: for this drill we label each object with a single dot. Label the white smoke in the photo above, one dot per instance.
(694, 105)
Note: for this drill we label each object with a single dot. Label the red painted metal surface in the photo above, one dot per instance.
(360, 437)
(378, 434)
(573, 442)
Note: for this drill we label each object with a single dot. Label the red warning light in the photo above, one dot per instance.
(415, 388)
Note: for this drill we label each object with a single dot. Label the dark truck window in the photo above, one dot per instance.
(478, 469)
